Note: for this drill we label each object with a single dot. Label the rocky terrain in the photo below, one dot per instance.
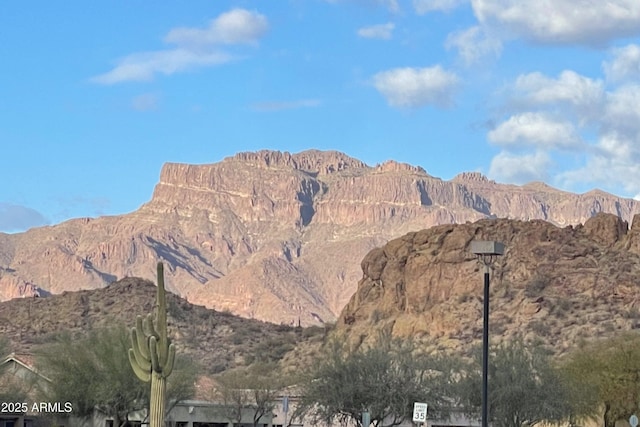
(271, 235)
(216, 340)
(553, 286)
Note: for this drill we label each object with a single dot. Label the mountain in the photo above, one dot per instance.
(554, 286)
(217, 340)
(271, 235)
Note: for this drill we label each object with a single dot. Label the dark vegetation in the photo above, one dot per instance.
(219, 340)
(597, 380)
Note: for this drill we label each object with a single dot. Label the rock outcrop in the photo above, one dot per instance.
(272, 235)
(555, 285)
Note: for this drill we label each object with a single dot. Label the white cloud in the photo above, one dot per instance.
(583, 96)
(425, 6)
(473, 44)
(614, 162)
(569, 87)
(417, 87)
(588, 22)
(598, 130)
(143, 66)
(196, 48)
(625, 64)
(535, 129)
(238, 26)
(285, 105)
(382, 31)
(520, 169)
(622, 112)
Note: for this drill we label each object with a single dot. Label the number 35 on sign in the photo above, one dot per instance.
(419, 412)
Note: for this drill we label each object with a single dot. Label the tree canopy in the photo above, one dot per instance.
(254, 388)
(604, 378)
(524, 386)
(384, 378)
(93, 373)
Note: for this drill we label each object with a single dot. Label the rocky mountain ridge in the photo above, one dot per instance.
(272, 235)
(554, 286)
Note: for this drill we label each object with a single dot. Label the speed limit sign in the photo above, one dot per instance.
(419, 412)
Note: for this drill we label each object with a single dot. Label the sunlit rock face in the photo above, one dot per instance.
(554, 286)
(272, 235)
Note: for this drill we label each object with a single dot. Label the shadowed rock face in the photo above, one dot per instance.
(272, 235)
(216, 340)
(556, 285)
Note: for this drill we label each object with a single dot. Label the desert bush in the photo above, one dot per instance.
(631, 313)
(312, 331)
(540, 328)
(463, 298)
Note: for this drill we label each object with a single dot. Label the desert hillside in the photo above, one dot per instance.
(554, 286)
(271, 235)
(217, 340)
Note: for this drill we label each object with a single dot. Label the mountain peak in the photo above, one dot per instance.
(274, 235)
(472, 177)
(314, 161)
(393, 166)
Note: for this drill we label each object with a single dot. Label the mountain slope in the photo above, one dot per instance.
(272, 235)
(217, 340)
(556, 286)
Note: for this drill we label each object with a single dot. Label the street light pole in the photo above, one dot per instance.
(485, 350)
(486, 251)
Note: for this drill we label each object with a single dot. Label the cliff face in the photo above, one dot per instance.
(554, 285)
(272, 235)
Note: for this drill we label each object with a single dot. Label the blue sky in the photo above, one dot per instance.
(95, 98)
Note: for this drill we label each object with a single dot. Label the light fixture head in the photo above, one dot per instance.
(486, 247)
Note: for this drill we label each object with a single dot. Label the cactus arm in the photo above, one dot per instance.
(141, 341)
(140, 373)
(149, 329)
(168, 367)
(143, 362)
(157, 365)
(155, 362)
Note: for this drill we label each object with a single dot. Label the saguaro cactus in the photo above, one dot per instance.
(151, 354)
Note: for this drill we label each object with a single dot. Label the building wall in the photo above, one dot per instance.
(456, 419)
(197, 413)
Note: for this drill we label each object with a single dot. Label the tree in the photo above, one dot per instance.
(93, 373)
(254, 388)
(524, 387)
(604, 378)
(181, 385)
(385, 379)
